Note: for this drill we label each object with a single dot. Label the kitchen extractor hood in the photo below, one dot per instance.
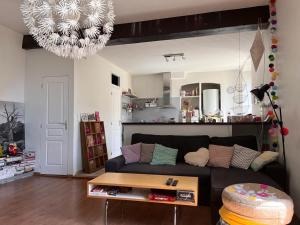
(167, 91)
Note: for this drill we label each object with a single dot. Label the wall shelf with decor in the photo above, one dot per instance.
(93, 146)
(189, 96)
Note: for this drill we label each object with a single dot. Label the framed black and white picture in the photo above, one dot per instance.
(84, 117)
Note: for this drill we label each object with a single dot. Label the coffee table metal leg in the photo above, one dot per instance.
(106, 213)
(175, 215)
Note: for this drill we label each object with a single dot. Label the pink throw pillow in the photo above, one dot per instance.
(132, 153)
(220, 156)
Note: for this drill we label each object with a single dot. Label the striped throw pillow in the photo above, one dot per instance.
(220, 156)
(164, 156)
(243, 157)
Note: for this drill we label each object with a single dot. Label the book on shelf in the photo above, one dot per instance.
(87, 130)
(29, 158)
(14, 159)
(7, 172)
(29, 161)
(187, 196)
(97, 141)
(28, 169)
(90, 141)
(91, 154)
(29, 154)
(97, 127)
(162, 195)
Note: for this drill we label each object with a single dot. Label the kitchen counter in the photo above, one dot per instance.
(194, 124)
(187, 129)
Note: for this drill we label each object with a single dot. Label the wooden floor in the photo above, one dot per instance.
(61, 201)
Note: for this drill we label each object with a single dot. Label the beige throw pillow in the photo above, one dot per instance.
(264, 159)
(198, 158)
(220, 156)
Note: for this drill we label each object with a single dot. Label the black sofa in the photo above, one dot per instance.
(212, 181)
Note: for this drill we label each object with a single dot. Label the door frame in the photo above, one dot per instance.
(70, 120)
(118, 88)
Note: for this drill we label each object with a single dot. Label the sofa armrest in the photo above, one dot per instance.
(115, 164)
(276, 171)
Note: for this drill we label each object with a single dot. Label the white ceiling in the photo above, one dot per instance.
(136, 10)
(203, 54)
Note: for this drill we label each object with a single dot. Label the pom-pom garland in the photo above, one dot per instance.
(274, 49)
(271, 58)
(284, 131)
(273, 131)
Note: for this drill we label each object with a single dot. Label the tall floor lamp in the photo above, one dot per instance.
(259, 93)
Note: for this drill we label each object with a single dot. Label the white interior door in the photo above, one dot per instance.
(54, 144)
(116, 128)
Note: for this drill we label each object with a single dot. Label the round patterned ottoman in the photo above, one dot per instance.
(255, 204)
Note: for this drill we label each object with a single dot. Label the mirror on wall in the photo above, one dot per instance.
(204, 76)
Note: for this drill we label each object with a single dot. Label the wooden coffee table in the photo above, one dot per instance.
(141, 185)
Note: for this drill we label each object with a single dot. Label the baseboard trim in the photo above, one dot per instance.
(61, 176)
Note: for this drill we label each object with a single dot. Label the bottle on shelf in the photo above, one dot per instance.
(228, 117)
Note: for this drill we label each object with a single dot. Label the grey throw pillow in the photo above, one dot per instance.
(147, 153)
(243, 157)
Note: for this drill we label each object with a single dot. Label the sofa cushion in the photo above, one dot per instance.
(184, 144)
(222, 178)
(265, 158)
(220, 156)
(163, 155)
(199, 158)
(245, 141)
(243, 157)
(147, 153)
(132, 153)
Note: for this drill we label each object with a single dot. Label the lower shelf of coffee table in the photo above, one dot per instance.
(136, 194)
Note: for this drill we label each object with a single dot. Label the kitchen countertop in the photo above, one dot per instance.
(193, 124)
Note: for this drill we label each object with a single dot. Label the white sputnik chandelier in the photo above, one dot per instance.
(70, 28)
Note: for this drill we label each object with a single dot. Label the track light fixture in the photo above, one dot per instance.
(175, 57)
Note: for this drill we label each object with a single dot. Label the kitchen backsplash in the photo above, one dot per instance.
(155, 114)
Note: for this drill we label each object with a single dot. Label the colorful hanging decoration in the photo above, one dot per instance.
(274, 130)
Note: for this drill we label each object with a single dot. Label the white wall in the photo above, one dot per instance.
(148, 86)
(12, 64)
(93, 93)
(39, 64)
(289, 55)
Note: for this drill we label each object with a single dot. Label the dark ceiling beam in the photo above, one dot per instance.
(229, 21)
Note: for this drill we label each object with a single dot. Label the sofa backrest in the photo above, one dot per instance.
(184, 144)
(245, 141)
